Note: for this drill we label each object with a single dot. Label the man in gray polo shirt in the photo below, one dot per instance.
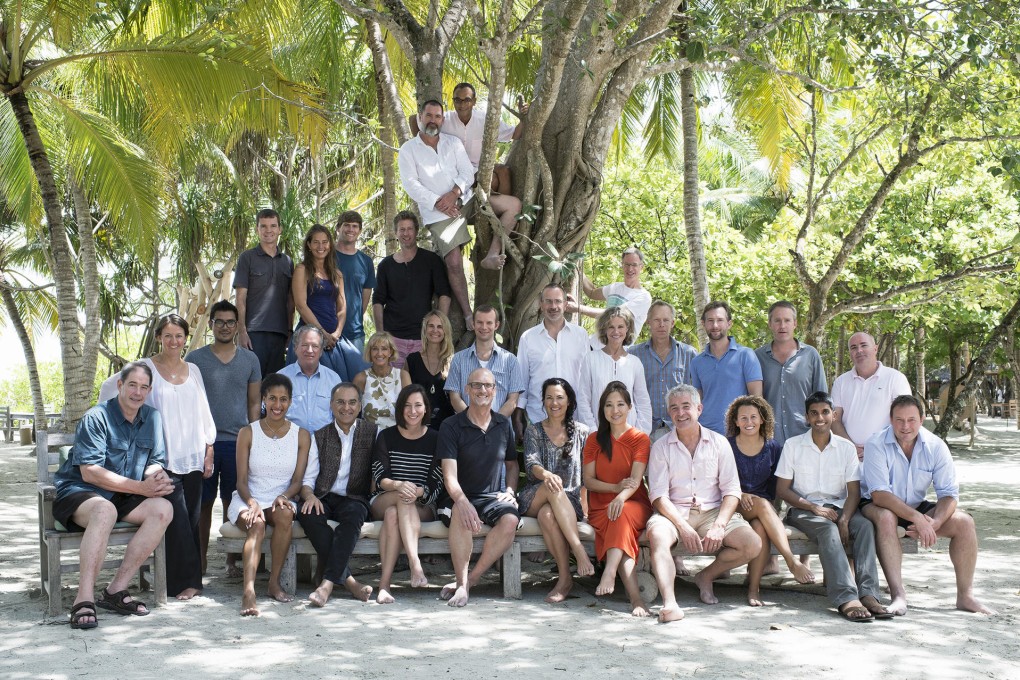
(232, 377)
(264, 304)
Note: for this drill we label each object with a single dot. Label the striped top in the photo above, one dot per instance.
(504, 366)
(661, 376)
(408, 460)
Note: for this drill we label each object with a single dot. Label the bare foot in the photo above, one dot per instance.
(968, 603)
(754, 599)
(233, 571)
(772, 567)
(536, 557)
(667, 615)
(448, 590)
(279, 594)
(320, 596)
(560, 591)
(418, 578)
(898, 606)
(493, 262)
(188, 593)
(584, 565)
(639, 609)
(705, 591)
(805, 560)
(607, 585)
(459, 598)
(801, 573)
(248, 607)
(681, 568)
(360, 592)
(384, 596)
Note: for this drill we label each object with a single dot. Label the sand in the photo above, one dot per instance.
(796, 635)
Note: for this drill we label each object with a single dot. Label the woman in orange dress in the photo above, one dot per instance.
(615, 458)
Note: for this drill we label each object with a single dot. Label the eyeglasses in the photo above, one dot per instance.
(482, 386)
(220, 323)
(467, 100)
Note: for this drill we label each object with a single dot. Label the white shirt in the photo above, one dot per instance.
(819, 477)
(866, 401)
(471, 134)
(542, 358)
(637, 300)
(343, 475)
(598, 370)
(427, 174)
(188, 424)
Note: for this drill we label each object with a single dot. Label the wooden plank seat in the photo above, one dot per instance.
(55, 540)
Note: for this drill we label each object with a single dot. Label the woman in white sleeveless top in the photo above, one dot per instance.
(272, 454)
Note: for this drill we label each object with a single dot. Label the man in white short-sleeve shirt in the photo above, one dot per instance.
(627, 293)
(862, 395)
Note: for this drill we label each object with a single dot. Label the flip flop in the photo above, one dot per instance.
(118, 602)
(852, 614)
(880, 612)
(77, 615)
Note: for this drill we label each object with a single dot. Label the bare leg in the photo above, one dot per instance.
(506, 208)
(765, 513)
(389, 551)
(739, 547)
(963, 551)
(98, 516)
(557, 545)
(607, 584)
(152, 517)
(660, 541)
(566, 519)
(890, 554)
(250, 555)
(756, 567)
(458, 281)
(409, 516)
(628, 572)
(283, 527)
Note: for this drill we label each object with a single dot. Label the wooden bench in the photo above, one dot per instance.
(54, 539)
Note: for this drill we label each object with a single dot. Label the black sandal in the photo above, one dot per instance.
(118, 602)
(77, 615)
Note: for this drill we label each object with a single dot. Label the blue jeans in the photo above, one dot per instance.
(224, 472)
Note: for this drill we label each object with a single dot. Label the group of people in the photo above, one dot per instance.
(697, 449)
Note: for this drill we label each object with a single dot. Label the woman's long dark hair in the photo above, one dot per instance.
(332, 272)
(568, 418)
(604, 436)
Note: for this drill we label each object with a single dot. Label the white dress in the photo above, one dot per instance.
(380, 398)
(271, 464)
(188, 424)
(598, 369)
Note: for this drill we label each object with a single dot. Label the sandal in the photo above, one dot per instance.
(878, 610)
(856, 614)
(118, 602)
(77, 615)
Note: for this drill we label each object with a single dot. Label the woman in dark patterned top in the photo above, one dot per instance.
(407, 480)
(552, 492)
(749, 427)
(431, 365)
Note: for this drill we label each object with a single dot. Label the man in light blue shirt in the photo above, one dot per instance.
(667, 363)
(485, 353)
(901, 463)
(725, 370)
(312, 381)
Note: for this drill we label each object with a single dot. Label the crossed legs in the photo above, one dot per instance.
(766, 523)
(556, 516)
(401, 529)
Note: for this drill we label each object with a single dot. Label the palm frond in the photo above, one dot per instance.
(17, 181)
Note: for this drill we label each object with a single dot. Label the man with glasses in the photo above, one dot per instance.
(312, 381)
(232, 376)
(478, 452)
(485, 353)
(627, 293)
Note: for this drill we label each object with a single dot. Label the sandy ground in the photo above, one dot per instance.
(796, 635)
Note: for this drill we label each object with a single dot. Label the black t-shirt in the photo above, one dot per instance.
(405, 290)
(480, 455)
(435, 385)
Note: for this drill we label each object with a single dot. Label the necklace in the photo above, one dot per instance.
(173, 375)
(276, 431)
(430, 362)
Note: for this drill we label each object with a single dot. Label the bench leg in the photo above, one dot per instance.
(159, 573)
(511, 572)
(52, 585)
(288, 575)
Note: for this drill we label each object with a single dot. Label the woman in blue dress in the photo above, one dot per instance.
(318, 290)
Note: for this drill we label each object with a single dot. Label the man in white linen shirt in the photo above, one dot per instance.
(862, 395)
(554, 348)
(901, 463)
(437, 174)
(695, 490)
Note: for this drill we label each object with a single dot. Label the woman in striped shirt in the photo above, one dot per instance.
(408, 480)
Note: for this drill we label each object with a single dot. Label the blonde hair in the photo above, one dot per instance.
(602, 324)
(446, 351)
(381, 336)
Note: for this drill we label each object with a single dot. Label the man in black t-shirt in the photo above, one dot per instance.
(405, 285)
(476, 448)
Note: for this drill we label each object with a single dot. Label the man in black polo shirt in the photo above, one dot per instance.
(405, 284)
(477, 447)
(265, 308)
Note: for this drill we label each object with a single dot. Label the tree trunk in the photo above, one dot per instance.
(921, 388)
(77, 385)
(88, 263)
(34, 383)
(692, 206)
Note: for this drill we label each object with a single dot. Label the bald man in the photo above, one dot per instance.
(862, 396)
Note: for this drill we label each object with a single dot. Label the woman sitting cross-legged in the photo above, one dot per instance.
(408, 480)
(615, 458)
(749, 427)
(552, 492)
(272, 454)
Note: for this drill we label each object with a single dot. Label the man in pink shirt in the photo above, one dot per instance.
(694, 488)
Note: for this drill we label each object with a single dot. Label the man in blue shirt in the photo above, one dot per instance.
(901, 463)
(313, 382)
(725, 370)
(485, 353)
(115, 472)
(359, 275)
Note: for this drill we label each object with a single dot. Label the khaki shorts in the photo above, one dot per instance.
(452, 232)
(700, 521)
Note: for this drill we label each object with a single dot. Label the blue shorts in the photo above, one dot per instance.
(224, 472)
